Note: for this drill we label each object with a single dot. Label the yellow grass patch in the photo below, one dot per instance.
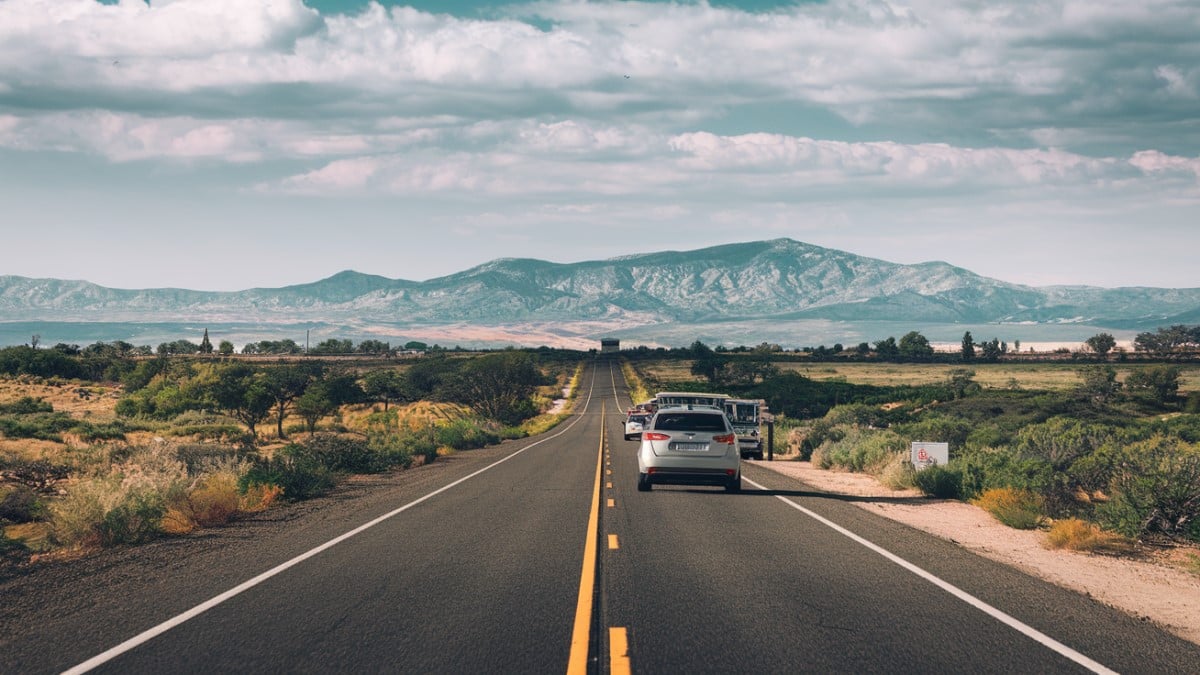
(1020, 509)
(1041, 376)
(1075, 534)
(96, 402)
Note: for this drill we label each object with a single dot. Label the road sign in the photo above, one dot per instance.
(925, 454)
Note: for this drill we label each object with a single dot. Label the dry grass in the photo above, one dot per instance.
(96, 402)
(1019, 509)
(1075, 534)
(1041, 376)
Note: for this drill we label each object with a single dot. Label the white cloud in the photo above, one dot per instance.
(1153, 162)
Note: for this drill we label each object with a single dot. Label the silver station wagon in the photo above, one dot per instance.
(693, 445)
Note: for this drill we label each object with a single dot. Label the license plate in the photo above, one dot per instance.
(689, 447)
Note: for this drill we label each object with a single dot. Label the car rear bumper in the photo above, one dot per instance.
(690, 475)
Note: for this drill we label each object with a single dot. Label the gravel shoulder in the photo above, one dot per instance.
(1148, 586)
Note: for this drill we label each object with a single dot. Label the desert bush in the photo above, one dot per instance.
(1016, 508)
(41, 426)
(104, 512)
(422, 443)
(295, 470)
(859, 415)
(20, 504)
(942, 482)
(466, 434)
(40, 474)
(899, 473)
(124, 506)
(1155, 489)
(820, 458)
(985, 468)
(213, 499)
(1076, 534)
(109, 431)
(198, 456)
(26, 405)
(391, 449)
(345, 453)
(862, 450)
(258, 497)
(938, 428)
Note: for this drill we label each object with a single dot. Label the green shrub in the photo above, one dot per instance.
(939, 481)
(982, 469)
(390, 448)
(861, 450)
(1156, 489)
(344, 453)
(466, 434)
(938, 428)
(421, 444)
(105, 512)
(111, 431)
(26, 405)
(20, 504)
(299, 473)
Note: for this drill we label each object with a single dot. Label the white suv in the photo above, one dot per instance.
(693, 445)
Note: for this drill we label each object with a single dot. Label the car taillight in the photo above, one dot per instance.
(651, 436)
(727, 439)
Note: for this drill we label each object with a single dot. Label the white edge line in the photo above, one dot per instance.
(957, 592)
(150, 634)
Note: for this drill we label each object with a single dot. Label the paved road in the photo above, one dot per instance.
(476, 564)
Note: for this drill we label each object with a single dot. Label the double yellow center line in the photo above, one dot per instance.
(581, 634)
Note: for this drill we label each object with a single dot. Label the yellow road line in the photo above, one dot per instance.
(618, 651)
(612, 503)
(577, 662)
(612, 542)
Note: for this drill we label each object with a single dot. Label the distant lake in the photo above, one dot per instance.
(788, 334)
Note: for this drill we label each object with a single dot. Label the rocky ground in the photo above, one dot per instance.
(1149, 583)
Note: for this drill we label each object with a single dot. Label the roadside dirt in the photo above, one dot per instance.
(1151, 585)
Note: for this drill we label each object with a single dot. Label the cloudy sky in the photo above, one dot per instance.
(228, 144)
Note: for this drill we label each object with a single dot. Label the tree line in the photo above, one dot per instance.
(497, 386)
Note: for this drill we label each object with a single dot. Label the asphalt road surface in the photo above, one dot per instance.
(540, 556)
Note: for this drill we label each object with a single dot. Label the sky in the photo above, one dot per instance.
(232, 144)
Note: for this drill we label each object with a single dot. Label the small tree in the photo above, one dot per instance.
(241, 392)
(314, 404)
(225, 348)
(915, 347)
(1160, 383)
(968, 347)
(1101, 344)
(1099, 383)
(385, 385)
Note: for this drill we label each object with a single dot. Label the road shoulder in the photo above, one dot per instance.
(1146, 587)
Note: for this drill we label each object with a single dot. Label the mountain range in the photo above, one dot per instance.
(781, 279)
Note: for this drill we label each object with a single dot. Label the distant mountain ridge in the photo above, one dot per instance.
(781, 278)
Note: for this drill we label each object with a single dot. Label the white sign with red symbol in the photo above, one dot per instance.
(925, 455)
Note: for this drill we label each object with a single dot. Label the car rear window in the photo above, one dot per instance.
(689, 422)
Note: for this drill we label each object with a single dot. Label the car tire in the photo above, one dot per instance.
(758, 455)
(643, 483)
(734, 484)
